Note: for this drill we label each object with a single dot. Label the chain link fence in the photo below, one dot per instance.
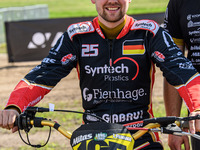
(21, 13)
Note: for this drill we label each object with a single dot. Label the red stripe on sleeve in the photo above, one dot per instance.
(191, 94)
(26, 95)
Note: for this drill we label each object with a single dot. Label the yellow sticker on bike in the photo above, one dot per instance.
(121, 141)
(106, 139)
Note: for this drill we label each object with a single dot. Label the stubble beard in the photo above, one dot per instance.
(111, 18)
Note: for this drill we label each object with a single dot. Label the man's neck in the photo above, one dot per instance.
(112, 33)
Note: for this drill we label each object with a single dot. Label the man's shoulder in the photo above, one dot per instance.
(80, 28)
(146, 24)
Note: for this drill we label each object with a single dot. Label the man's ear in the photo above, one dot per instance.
(93, 1)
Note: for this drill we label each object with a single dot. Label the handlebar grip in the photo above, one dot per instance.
(37, 109)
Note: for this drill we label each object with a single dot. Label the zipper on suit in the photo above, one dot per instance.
(111, 41)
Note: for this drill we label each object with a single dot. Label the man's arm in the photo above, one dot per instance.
(173, 104)
(172, 99)
(40, 81)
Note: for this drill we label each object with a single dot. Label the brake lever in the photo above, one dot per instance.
(175, 130)
(188, 134)
(178, 133)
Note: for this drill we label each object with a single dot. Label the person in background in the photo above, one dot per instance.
(182, 22)
(115, 56)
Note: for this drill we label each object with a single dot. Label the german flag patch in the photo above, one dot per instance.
(133, 48)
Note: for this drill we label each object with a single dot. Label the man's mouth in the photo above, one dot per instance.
(113, 9)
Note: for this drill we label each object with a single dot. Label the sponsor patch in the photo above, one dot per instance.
(127, 117)
(122, 137)
(159, 56)
(186, 66)
(149, 25)
(99, 94)
(100, 136)
(81, 138)
(66, 59)
(80, 28)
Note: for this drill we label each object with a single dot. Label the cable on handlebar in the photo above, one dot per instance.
(84, 113)
(41, 109)
(23, 122)
(29, 143)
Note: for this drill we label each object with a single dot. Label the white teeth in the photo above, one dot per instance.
(112, 8)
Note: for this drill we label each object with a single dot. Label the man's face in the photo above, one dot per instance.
(111, 10)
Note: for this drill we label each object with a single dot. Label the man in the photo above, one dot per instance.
(182, 21)
(115, 56)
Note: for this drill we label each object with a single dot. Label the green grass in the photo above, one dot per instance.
(78, 8)
(3, 48)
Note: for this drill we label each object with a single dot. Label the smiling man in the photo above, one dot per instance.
(111, 13)
(115, 56)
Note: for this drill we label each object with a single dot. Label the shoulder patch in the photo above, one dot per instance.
(149, 25)
(80, 28)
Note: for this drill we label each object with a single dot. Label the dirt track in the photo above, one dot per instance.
(12, 73)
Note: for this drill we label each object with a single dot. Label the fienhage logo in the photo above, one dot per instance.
(87, 96)
(99, 94)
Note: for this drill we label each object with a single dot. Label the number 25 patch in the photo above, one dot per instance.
(89, 50)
